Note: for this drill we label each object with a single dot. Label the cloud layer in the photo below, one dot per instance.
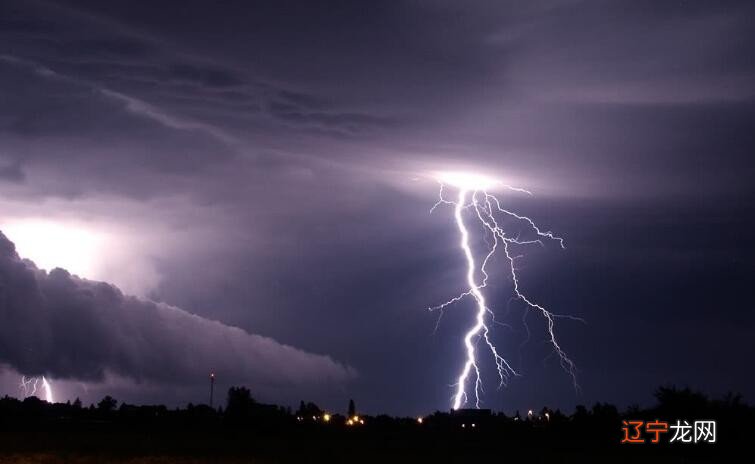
(65, 327)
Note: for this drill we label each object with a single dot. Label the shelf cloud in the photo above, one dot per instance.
(59, 325)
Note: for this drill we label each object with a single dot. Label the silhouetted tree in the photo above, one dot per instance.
(107, 404)
(605, 412)
(580, 414)
(308, 410)
(733, 400)
(239, 405)
(680, 402)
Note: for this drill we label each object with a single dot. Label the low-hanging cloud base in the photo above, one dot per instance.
(65, 327)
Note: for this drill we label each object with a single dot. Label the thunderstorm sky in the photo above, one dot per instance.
(251, 179)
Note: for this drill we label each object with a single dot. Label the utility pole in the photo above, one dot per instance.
(212, 386)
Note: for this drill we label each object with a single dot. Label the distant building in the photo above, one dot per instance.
(471, 418)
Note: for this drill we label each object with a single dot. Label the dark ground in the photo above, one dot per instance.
(33, 431)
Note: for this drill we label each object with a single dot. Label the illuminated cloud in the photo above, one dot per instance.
(64, 327)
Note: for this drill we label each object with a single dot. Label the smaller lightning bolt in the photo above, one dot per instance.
(473, 195)
(29, 387)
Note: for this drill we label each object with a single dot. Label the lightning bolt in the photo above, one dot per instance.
(29, 387)
(48, 390)
(486, 208)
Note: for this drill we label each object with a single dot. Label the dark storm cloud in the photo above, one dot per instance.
(50, 117)
(110, 47)
(347, 122)
(93, 51)
(632, 52)
(204, 76)
(62, 326)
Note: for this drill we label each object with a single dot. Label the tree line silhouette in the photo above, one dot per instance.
(245, 426)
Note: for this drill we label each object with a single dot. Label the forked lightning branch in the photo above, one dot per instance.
(32, 386)
(474, 202)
